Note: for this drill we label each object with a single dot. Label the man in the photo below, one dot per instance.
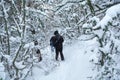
(57, 42)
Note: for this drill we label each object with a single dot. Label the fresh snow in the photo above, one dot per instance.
(2, 73)
(77, 65)
(110, 14)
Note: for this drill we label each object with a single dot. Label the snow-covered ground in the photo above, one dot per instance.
(75, 67)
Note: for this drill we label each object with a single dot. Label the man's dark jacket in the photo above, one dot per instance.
(57, 41)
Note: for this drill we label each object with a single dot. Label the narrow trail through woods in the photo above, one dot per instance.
(76, 65)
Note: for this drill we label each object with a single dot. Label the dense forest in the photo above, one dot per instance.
(24, 21)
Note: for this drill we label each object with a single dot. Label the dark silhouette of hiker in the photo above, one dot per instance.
(57, 42)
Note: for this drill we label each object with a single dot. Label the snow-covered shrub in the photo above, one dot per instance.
(87, 27)
(108, 33)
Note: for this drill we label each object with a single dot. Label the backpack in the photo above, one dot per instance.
(52, 43)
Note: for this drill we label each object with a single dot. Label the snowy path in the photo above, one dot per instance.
(75, 67)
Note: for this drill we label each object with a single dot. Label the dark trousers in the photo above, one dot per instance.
(59, 51)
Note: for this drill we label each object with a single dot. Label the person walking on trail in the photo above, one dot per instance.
(56, 41)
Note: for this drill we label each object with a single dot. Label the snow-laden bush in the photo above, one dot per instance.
(107, 32)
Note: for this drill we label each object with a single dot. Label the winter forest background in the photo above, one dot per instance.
(24, 21)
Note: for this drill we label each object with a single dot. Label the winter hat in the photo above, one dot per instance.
(56, 32)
